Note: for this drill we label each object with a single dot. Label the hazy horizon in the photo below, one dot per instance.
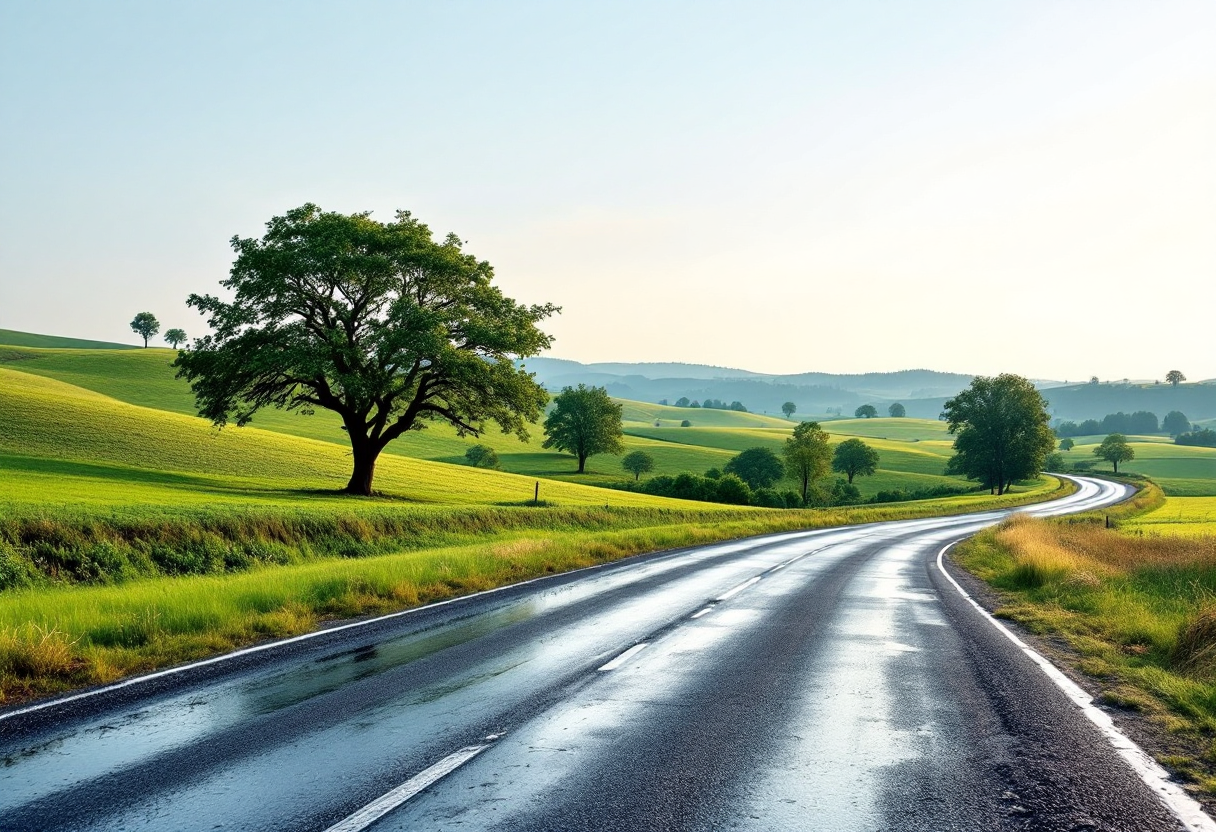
(776, 187)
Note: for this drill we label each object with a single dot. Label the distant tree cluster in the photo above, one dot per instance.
(866, 411)
(1140, 422)
(716, 487)
(1175, 377)
(897, 411)
(711, 404)
(1175, 423)
(1202, 438)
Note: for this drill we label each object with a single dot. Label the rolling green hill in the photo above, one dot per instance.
(913, 451)
(72, 445)
(14, 338)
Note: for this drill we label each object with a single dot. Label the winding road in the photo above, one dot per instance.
(836, 679)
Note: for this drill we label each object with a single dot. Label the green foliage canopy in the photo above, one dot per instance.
(584, 422)
(854, 458)
(638, 463)
(1001, 428)
(482, 456)
(758, 467)
(1175, 422)
(375, 321)
(897, 410)
(788, 409)
(1114, 449)
(173, 337)
(866, 411)
(145, 325)
(808, 456)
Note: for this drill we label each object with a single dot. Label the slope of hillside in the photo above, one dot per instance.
(15, 338)
(51, 428)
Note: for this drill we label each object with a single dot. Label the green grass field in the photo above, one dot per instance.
(1180, 470)
(11, 337)
(913, 459)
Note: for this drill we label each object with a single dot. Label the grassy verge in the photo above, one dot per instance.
(1137, 610)
(55, 637)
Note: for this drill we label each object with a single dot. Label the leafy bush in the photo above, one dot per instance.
(482, 456)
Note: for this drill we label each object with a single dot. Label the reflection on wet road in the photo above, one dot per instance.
(807, 680)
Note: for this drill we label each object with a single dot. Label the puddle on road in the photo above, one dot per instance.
(332, 672)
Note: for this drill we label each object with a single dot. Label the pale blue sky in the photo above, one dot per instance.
(776, 186)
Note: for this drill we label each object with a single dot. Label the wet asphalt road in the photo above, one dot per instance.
(828, 680)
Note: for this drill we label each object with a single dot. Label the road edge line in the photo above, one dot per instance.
(1185, 808)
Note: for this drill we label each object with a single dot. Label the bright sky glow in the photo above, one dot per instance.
(978, 187)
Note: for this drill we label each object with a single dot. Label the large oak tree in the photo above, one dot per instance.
(377, 322)
(1001, 431)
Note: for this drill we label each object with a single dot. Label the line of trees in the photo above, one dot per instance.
(710, 404)
(1140, 422)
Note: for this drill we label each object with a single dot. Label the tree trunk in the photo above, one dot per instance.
(850, 478)
(1116, 464)
(582, 462)
(365, 469)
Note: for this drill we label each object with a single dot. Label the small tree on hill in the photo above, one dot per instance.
(482, 456)
(854, 458)
(866, 411)
(788, 409)
(682, 401)
(685, 424)
(1175, 422)
(173, 337)
(145, 326)
(584, 422)
(638, 463)
(1114, 449)
(1066, 444)
(1175, 377)
(808, 456)
(758, 467)
(897, 410)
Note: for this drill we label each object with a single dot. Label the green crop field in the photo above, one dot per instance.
(1180, 470)
(1177, 516)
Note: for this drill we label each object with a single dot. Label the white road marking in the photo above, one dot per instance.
(730, 592)
(386, 803)
(702, 612)
(624, 657)
(1185, 807)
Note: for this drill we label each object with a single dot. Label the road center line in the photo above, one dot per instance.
(624, 657)
(1184, 807)
(731, 592)
(386, 803)
(702, 612)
